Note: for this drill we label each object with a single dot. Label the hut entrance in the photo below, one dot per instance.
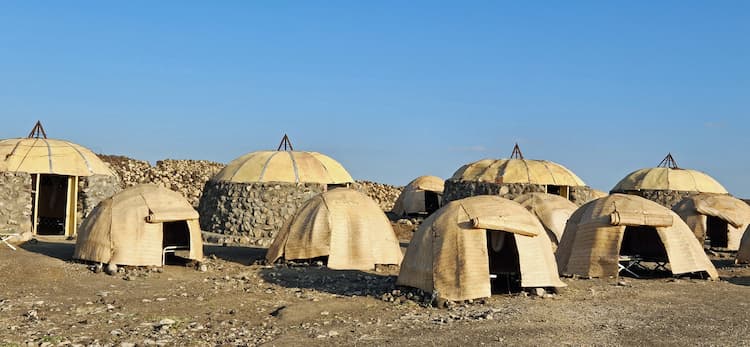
(431, 201)
(559, 190)
(643, 244)
(717, 232)
(54, 200)
(505, 268)
(176, 236)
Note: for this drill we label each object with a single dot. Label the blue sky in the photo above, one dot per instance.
(391, 89)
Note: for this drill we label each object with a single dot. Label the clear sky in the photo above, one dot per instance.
(391, 89)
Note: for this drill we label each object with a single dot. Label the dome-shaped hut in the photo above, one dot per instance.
(458, 249)
(47, 186)
(667, 183)
(512, 177)
(552, 210)
(423, 195)
(250, 198)
(604, 231)
(343, 225)
(719, 219)
(138, 227)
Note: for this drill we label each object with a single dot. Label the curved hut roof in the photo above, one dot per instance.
(286, 166)
(127, 228)
(343, 224)
(518, 170)
(449, 255)
(552, 210)
(668, 176)
(37, 154)
(594, 234)
(412, 198)
(696, 209)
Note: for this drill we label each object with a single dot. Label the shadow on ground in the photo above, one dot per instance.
(62, 250)
(235, 254)
(340, 282)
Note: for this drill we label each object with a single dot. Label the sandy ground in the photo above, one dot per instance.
(47, 299)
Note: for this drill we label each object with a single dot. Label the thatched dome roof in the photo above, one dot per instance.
(523, 171)
(40, 155)
(517, 170)
(284, 166)
(668, 176)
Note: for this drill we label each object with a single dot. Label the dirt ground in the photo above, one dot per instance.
(46, 299)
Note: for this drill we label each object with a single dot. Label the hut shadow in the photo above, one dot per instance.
(740, 281)
(62, 250)
(323, 279)
(235, 254)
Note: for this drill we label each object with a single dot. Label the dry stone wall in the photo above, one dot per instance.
(94, 189)
(187, 177)
(455, 190)
(666, 198)
(251, 213)
(384, 194)
(15, 202)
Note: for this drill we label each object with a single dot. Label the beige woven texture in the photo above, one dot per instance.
(552, 210)
(284, 166)
(117, 230)
(448, 253)
(696, 209)
(49, 156)
(412, 200)
(518, 171)
(343, 224)
(662, 178)
(590, 245)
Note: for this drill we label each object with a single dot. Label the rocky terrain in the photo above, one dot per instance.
(189, 177)
(235, 300)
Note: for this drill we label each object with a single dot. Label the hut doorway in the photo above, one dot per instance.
(559, 190)
(175, 237)
(717, 232)
(504, 265)
(431, 201)
(642, 243)
(54, 200)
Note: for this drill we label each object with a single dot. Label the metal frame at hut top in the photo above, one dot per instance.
(668, 162)
(516, 154)
(286, 144)
(37, 131)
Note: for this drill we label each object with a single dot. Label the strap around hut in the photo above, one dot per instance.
(286, 143)
(669, 162)
(38, 131)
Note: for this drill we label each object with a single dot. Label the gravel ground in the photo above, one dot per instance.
(48, 300)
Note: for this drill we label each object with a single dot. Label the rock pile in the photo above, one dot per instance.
(185, 176)
(384, 194)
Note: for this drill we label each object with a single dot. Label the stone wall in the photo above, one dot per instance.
(666, 198)
(15, 202)
(455, 190)
(384, 194)
(251, 213)
(184, 176)
(94, 189)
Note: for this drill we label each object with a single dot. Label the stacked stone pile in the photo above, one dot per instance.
(384, 194)
(185, 176)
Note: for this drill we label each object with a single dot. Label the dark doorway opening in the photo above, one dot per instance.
(431, 201)
(554, 190)
(51, 204)
(175, 235)
(717, 232)
(504, 266)
(644, 242)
